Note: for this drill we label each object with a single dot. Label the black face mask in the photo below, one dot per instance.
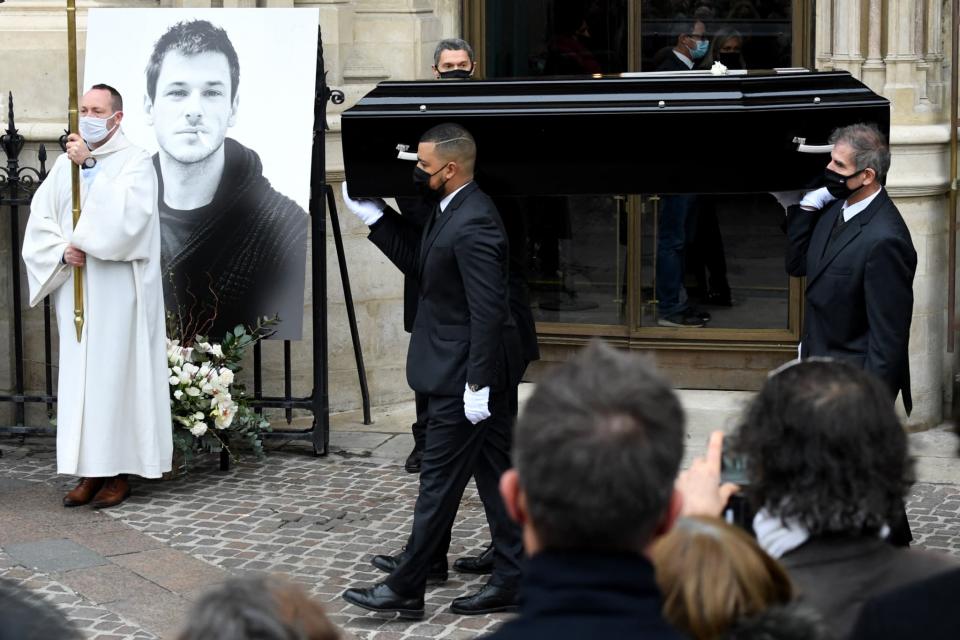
(729, 59)
(455, 74)
(421, 179)
(836, 184)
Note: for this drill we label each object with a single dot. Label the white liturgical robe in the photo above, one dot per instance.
(113, 407)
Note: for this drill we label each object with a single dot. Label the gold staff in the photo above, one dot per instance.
(74, 169)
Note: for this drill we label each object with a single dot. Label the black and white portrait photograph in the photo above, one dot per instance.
(223, 99)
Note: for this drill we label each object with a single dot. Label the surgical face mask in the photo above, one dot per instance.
(455, 74)
(700, 50)
(421, 179)
(93, 130)
(836, 183)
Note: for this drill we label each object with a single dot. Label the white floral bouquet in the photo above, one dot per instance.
(209, 406)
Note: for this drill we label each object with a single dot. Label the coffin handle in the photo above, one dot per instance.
(403, 154)
(803, 147)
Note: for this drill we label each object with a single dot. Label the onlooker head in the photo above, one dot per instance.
(595, 452)
(453, 58)
(258, 608)
(824, 449)
(690, 38)
(714, 575)
(726, 47)
(24, 615)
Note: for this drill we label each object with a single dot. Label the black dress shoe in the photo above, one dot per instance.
(382, 598)
(481, 564)
(436, 574)
(412, 465)
(490, 599)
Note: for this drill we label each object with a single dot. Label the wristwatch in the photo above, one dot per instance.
(89, 162)
(473, 387)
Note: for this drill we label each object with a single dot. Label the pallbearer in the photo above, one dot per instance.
(113, 407)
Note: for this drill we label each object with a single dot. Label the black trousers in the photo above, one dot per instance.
(419, 427)
(454, 451)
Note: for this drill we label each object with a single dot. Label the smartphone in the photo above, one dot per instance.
(738, 511)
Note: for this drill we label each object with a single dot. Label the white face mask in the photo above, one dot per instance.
(93, 130)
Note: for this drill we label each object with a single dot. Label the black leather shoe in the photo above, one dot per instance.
(436, 574)
(489, 599)
(382, 598)
(412, 465)
(481, 564)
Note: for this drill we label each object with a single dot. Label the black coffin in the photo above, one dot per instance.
(639, 133)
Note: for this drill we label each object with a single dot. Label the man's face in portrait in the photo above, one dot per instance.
(192, 108)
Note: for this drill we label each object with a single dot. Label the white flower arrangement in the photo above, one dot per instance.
(208, 405)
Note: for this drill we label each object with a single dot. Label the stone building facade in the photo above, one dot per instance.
(900, 48)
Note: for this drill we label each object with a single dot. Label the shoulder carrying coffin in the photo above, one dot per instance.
(635, 133)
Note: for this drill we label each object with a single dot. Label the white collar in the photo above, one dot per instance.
(853, 209)
(684, 59)
(446, 200)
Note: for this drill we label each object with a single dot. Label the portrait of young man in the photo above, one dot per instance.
(233, 247)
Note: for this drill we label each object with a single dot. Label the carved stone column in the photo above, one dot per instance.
(873, 68)
(847, 52)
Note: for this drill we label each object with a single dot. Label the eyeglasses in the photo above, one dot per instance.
(697, 36)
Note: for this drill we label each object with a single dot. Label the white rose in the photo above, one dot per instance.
(198, 429)
(226, 376)
(178, 394)
(216, 350)
(174, 381)
(718, 68)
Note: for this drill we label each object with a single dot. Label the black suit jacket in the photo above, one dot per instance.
(588, 595)
(672, 63)
(463, 331)
(418, 212)
(835, 575)
(925, 609)
(859, 295)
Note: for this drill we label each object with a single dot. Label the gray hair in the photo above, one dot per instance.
(27, 615)
(452, 44)
(870, 148)
(260, 607)
(597, 449)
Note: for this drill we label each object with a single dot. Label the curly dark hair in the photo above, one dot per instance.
(824, 447)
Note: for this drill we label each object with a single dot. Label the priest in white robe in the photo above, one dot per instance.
(113, 407)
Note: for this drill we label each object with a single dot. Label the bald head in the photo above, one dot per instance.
(453, 143)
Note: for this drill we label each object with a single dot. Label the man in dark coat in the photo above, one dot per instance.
(464, 357)
(454, 59)
(233, 248)
(596, 452)
(855, 250)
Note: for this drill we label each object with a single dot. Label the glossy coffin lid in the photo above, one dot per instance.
(637, 133)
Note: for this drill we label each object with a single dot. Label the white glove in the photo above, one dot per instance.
(787, 198)
(476, 404)
(816, 200)
(368, 210)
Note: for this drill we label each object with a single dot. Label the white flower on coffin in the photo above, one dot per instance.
(178, 394)
(216, 351)
(174, 381)
(226, 377)
(198, 429)
(718, 68)
(193, 392)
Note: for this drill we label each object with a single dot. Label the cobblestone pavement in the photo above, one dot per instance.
(132, 571)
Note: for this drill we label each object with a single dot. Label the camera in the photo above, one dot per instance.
(738, 511)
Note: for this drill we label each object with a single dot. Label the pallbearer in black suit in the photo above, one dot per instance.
(851, 243)
(854, 248)
(464, 356)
